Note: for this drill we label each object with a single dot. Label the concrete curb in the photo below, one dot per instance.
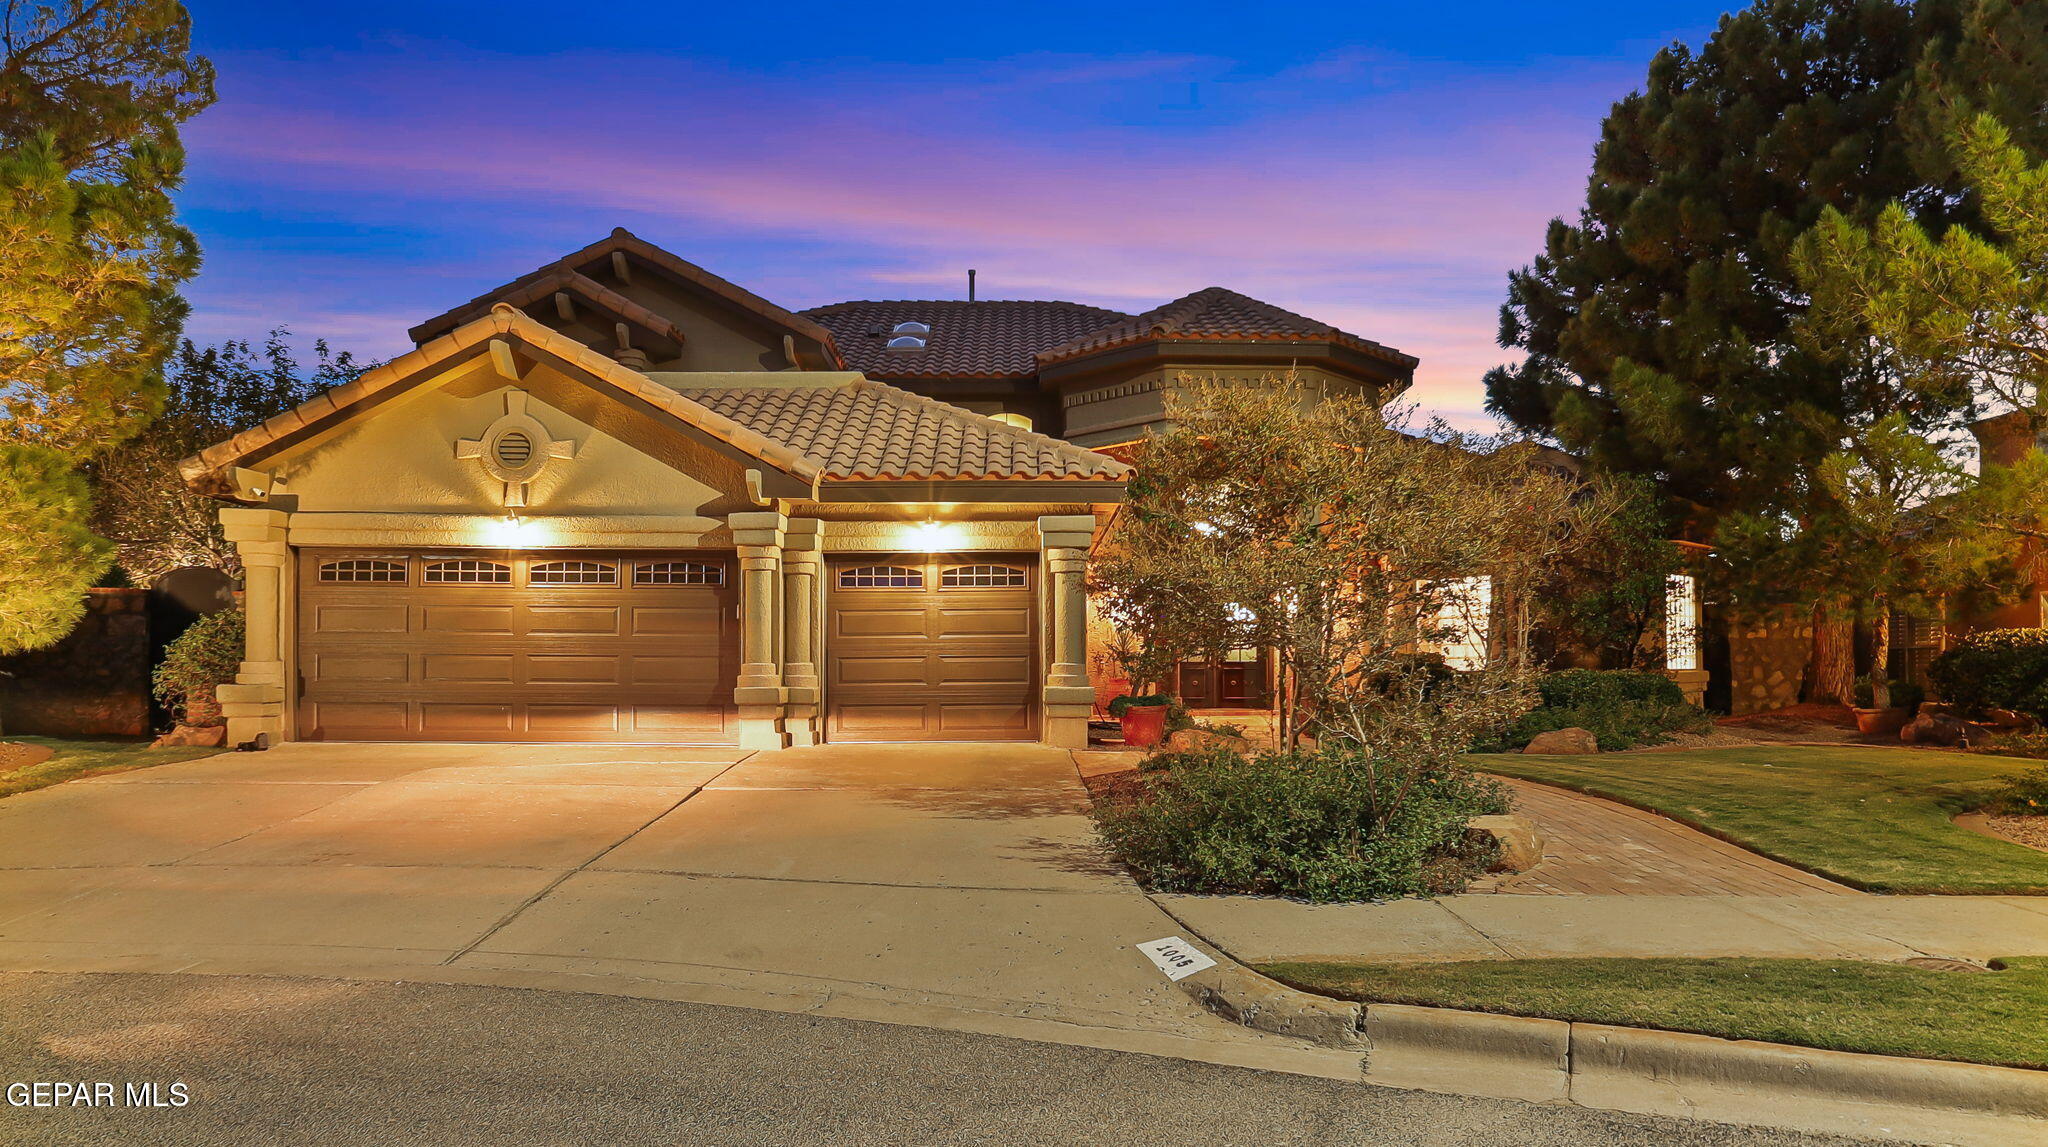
(1644, 1070)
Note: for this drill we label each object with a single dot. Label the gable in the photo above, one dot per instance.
(675, 314)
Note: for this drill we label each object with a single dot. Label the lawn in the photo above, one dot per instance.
(74, 759)
(1875, 818)
(1983, 1017)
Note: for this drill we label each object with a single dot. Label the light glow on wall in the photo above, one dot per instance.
(934, 537)
(510, 532)
(1681, 623)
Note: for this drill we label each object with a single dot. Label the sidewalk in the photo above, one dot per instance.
(1495, 927)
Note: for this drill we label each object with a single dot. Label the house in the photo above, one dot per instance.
(622, 499)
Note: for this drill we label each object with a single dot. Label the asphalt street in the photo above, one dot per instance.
(278, 1060)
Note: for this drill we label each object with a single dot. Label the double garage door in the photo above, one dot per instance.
(645, 647)
(426, 647)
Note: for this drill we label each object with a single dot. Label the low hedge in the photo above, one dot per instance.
(1298, 824)
(1623, 709)
(1995, 669)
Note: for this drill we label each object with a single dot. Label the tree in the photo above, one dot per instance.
(1609, 595)
(48, 558)
(1266, 518)
(1662, 329)
(157, 522)
(91, 95)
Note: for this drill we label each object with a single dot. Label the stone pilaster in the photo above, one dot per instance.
(802, 567)
(255, 703)
(758, 535)
(1063, 546)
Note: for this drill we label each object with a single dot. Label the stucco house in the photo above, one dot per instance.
(622, 499)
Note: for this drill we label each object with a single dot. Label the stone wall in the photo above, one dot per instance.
(94, 683)
(1768, 657)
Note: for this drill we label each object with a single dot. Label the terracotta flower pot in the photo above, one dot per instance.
(1144, 725)
(1880, 722)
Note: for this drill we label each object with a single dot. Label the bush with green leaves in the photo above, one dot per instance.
(1904, 694)
(2023, 794)
(1995, 669)
(1623, 709)
(206, 655)
(1319, 825)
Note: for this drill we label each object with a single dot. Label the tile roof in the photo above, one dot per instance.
(869, 430)
(1217, 313)
(984, 339)
(851, 428)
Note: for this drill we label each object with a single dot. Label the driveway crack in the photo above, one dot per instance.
(520, 909)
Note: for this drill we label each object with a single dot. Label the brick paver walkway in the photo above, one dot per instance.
(1600, 848)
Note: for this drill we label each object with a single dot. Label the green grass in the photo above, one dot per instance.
(1996, 1017)
(75, 759)
(1875, 818)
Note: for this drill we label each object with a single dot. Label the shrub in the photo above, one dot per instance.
(205, 655)
(1623, 709)
(1118, 706)
(1904, 694)
(2023, 794)
(1995, 669)
(1302, 824)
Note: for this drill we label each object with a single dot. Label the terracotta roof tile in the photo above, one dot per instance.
(869, 430)
(990, 338)
(1216, 313)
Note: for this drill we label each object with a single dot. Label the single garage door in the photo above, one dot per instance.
(540, 647)
(932, 649)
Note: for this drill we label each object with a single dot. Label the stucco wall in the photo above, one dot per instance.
(402, 458)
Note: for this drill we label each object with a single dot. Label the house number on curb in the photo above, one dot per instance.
(1176, 957)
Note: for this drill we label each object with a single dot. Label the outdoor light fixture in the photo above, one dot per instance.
(508, 530)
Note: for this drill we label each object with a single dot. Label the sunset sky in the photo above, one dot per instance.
(1379, 166)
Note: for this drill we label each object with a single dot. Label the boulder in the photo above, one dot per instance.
(1935, 729)
(193, 736)
(1195, 740)
(1574, 741)
(1521, 846)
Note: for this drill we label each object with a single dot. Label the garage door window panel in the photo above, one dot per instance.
(362, 571)
(465, 571)
(572, 573)
(881, 577)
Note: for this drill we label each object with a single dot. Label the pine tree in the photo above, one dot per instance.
(1664, 329)
(91, 95)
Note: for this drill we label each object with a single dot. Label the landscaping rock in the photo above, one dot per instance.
(1935, 729)
(1195, 740)
(193, 736)
(1574, 741)
(1521, 846)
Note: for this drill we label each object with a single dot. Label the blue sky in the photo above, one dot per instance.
(1379, 166)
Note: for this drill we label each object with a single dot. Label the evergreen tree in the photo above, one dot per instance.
(91, 94)
(1664, 330)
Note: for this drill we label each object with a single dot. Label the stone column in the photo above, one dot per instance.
(760, 697)
(1063, 545)
(255, 703)
(802, 566)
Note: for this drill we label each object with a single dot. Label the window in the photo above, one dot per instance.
(572, 573)
(1020, 421)
(467, 572)
(1681, 623)
(981, 577)
(1462, 619)
(678, 573)
(881, 577)
(363, 570)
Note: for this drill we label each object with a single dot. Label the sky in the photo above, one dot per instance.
(1379, 166)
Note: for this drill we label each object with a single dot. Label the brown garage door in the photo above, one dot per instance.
(540, 647)
(932, 649)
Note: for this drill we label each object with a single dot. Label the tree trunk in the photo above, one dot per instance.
(1880, 654)
(1834, 652)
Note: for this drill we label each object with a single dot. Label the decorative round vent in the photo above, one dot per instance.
(513, 449)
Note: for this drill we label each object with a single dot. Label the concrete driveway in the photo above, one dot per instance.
(950, 886)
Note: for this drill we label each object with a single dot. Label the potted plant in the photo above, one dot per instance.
(1875, 713)
(1143, 718)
